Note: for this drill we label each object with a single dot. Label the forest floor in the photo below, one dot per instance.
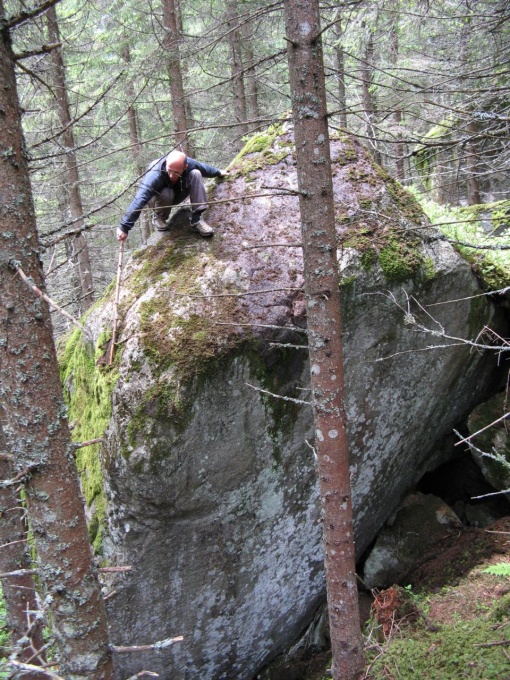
(452, 620)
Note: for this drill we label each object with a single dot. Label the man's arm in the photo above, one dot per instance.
(205, 169)
(151, 183)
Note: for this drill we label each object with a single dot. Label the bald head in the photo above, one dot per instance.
(175, 165)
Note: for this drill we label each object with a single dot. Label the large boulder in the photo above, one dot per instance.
(210, 478)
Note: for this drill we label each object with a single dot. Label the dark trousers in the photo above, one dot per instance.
(163, 201)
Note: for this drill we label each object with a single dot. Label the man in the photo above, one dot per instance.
(168, 182)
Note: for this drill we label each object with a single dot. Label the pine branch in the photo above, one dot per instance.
(44, 49)
(22, 17)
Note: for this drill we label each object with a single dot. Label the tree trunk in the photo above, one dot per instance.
(236, 70)
(340, 73)
(19, 591)
(324, 329)
(136, 144)
(252, 91)
(73, 179)
(368, 99)
(472, 162)
(34, 421)
(171, 45)
(397, 115)
(190, 118)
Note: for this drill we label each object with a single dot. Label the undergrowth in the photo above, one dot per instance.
(416, 647)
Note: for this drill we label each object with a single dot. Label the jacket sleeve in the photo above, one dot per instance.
(205, 169)
(149, 186)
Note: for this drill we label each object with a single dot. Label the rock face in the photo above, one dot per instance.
(211, 482)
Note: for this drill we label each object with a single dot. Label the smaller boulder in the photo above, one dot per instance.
(491, 447)
(415, 531)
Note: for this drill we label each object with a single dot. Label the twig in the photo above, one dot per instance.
(81, 445)
(113, 570)
(220, 295)
(6, 545)
(143, 674)
(18, 572)
(4, 483)
(466, 439)
(261, 325)
(35, 669)
(116, 304)
(500, 643)
(162, 644)
(273, 245)
(287, 344)
(45, 297)
(110, 594)
(279, 396)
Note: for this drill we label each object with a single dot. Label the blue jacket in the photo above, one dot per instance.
(156, 179)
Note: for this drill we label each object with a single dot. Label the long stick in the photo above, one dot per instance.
(116, 305)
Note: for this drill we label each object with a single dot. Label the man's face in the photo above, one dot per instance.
(175, 170)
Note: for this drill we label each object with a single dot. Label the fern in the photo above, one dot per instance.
(502, 569)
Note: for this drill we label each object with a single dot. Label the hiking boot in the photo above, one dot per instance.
(202, 227)
(159, 223)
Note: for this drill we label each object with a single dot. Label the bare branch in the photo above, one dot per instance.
(45, 297)
(467, 439)
(81, 445)
(35, 669)
(162, 644)
(280, 396)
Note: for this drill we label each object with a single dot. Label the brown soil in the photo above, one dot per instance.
(468, 591)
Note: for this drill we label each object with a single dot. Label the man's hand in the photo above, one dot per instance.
(225, 174)
(121, 235)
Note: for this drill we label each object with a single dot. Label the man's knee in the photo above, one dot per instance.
(195, 176)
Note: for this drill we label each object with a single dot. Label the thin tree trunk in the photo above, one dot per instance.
(368, 100)
(340, 73)
(397, 115)
(73, 178)
(19, 591)
(324, 329)
(136, 144)
(34, 421)
(190, 118)
(472, 162)
(171, 45)
(471, 156)
(252, 93)
(236, 69)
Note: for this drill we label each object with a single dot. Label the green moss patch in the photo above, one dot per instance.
(486, 225)
(262, 149)
(88, 385)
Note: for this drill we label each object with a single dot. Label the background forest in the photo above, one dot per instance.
(106, 87)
